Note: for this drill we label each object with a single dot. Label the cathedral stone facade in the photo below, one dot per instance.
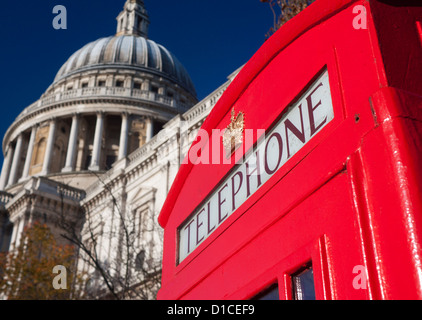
(102, 146)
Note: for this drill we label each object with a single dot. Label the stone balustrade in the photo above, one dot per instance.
(98, 92)
(5, 197)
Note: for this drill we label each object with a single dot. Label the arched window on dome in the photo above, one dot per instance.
(59, 154)
(137, 85)
(121, 26)
(38, 156)
(40, 151)
(139, 24)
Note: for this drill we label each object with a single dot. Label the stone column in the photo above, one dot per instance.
(6, 167)
(146, 85)
(20, 232)
(72, 146)
(29, 154)
(16, 160)
(49, 149)
(124, 131)
(14, 233)
(149, 129)
(96, 152)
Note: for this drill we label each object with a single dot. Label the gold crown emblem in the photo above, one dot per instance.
(233, 134)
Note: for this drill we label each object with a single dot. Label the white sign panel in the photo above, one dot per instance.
(303, 120)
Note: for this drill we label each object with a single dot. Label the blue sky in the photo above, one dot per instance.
(211, 38)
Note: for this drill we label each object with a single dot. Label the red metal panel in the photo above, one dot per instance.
(390, 158)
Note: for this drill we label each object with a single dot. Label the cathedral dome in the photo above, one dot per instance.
(127, 51)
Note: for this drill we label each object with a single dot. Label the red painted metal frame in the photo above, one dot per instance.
(350, 197)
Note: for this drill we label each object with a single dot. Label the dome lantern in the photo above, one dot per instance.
(133, 20)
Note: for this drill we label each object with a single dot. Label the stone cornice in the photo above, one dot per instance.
(114, 68)
(38, 186)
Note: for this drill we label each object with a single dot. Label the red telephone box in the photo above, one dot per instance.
(327, 204)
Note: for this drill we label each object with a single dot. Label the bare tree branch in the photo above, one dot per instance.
(122, 277)
(287, 9)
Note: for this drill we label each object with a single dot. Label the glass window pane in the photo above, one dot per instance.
(270, 293)
(303, 284)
